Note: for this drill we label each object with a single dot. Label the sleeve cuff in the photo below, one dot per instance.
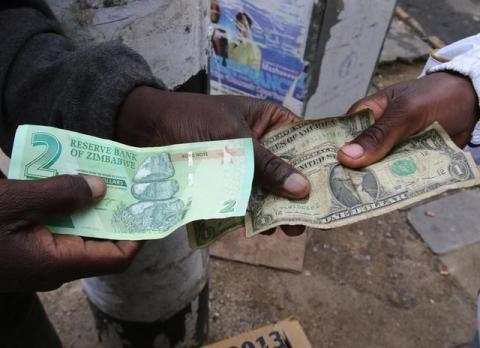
(115, 71)
(462, 57)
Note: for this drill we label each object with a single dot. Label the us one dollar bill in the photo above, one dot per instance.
(425, 165)
(285, 142)
(151, 191)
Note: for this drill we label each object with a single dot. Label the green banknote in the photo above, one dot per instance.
(423, 166)
(151, 191)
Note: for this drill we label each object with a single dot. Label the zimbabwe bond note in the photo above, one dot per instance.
(151, 191)
(424, 165)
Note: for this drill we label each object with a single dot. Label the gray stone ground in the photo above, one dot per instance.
(374, 284)
(448, 223)
(450, 20)
(402, 43)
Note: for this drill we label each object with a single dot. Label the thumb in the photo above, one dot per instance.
(377, 102)
(60, 195)
(374, 143)
(278, 176)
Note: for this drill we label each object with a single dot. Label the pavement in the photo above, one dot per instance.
(378, 283)
(448, 223)
(450, 20)
(402, 43)
(373, 284)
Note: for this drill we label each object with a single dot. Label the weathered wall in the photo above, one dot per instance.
(171, 35)
(352, 36)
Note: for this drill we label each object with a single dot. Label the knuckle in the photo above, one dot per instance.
(68, 182)
(275, 169)
(410, 105)
(376, 135)
(72, 189)
(236, 128)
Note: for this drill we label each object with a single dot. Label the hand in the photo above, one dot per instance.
(406, 108)
(151, 117)
(32, 258)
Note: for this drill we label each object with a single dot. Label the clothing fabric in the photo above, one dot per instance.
(24, 323)
(45, 79)
(462, 57)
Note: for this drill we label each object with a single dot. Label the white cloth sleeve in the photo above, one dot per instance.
(462, 57)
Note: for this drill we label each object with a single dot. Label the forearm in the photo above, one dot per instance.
(45, 80)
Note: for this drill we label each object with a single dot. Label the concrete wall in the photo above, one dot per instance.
(171, 35)
(351, 39)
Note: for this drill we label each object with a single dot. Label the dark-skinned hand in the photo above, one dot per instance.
(33, 259)
(406, 108)
(151, 117)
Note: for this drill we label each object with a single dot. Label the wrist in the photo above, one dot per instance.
(460, 88)
(457, 89)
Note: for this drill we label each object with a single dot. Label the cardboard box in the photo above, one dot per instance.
(284, 334)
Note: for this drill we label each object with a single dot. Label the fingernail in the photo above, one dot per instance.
(353, 150)
(97, 186)
(296, 184)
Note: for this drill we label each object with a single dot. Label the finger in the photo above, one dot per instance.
(60, 195)
(377, 102)
(267, 116)
(277, 176)
(77, 258)
(376, 141)
(373, 144)
(293, 230)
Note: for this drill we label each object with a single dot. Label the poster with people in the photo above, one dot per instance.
(257, 49)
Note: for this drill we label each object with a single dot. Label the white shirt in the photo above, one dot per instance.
(462, 57)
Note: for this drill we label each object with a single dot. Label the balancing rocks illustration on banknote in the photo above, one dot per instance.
(154, 186)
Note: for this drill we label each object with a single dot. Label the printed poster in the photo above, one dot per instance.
(257, 49)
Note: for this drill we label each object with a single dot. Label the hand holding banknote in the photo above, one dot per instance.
(33, 259)
(151, 117)
(421, 166)
(408, 107)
